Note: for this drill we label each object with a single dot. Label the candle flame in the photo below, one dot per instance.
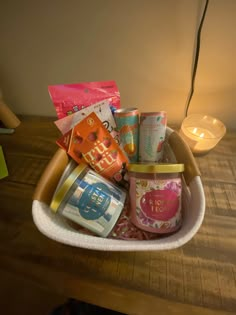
(202, 135)
(194, 130)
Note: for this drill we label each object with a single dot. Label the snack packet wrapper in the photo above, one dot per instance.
(99, 149)
(102, 110)
(70, 98)
(66, 143)
(90, 142)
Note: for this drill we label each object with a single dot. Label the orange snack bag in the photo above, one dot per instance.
(65, 142)
(97, 147)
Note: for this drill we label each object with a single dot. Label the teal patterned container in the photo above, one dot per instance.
(152, 130)
(127, 121)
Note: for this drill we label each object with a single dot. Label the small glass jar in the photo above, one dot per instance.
(202, 132)
(89, 200)
(155, 196)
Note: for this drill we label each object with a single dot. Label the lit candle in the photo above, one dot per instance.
(202, 132)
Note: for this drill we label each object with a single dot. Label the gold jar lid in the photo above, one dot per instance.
(65, 187)
(155, 168)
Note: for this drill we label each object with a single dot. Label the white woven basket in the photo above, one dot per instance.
(56, 227)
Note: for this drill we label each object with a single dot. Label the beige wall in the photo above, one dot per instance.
(146, 46)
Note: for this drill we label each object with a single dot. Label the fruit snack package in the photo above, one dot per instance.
(70, 98)
(90, 142)
(102, 110)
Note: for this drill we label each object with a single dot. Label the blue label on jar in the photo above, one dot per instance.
(112, 190)
(94, 201)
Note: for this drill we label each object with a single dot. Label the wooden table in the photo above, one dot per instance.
(199, 278)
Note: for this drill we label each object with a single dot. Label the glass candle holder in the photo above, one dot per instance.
(202, 132)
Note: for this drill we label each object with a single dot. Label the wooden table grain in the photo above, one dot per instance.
(198, 278)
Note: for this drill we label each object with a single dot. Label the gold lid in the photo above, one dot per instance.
(155, 168)
(63, 190)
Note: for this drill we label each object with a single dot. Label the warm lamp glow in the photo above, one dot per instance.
(202, 132)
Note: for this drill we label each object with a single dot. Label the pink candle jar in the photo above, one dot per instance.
(155, 196)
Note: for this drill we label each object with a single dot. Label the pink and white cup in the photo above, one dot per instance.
(155, 196)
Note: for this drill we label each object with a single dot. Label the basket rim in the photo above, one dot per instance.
(50, 228)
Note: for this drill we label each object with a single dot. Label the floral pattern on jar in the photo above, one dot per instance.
(155, 200)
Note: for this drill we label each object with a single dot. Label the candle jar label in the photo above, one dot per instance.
(160, 204)
(94, 201)
(157, 204)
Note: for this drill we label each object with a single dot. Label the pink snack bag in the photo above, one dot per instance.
(70, 98)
